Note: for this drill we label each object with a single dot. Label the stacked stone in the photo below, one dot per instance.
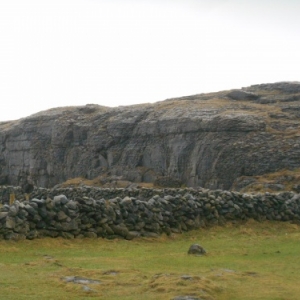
(129, 213)
(39, 217)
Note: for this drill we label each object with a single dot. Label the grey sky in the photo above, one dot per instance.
(74, 52)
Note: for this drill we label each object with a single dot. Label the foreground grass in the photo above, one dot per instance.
(244, 261)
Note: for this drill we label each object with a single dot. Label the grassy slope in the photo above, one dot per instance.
(250, 261)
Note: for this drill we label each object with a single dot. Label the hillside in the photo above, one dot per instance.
(223, 140)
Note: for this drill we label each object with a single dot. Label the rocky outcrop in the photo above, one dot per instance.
(208, 140)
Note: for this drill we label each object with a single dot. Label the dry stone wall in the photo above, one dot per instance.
(128, 213)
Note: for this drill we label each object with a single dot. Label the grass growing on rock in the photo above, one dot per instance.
(288, 178)
(244, 261)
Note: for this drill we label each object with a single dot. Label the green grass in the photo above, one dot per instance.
(243, 261)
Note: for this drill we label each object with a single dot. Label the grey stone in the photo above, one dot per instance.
(14, 236)
(188, 140)
(80, 280)
(186, 298)
(61, 216)
(87, 289)
(186, 277)
(10, 223)
(132, 234)
(60, 199)
(126, 201)
(296, 188)
(13, 211)
(38, 201)
(67, 235)
(150, 234)
(3, 214)
(242, 95)
(71, 205)
(30, 209)
(90, 234)
(196, 249)
(32, 234)
(120, 230)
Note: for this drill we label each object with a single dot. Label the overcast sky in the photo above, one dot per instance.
(121, 52)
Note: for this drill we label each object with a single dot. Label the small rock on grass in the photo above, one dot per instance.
(87, 289)
(186, 277)
(196, 249)
(80, 280)
(186, 298)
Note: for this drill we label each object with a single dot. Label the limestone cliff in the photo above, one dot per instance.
(209, 140)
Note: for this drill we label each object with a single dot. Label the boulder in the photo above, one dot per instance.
(242, 95)
(196, 249)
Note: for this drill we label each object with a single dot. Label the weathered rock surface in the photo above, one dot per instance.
(196, 249)
(207, 140)
(186, 298)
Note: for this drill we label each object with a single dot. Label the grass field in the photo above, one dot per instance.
(243, 261)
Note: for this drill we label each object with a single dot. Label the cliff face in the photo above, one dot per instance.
(208, 140)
